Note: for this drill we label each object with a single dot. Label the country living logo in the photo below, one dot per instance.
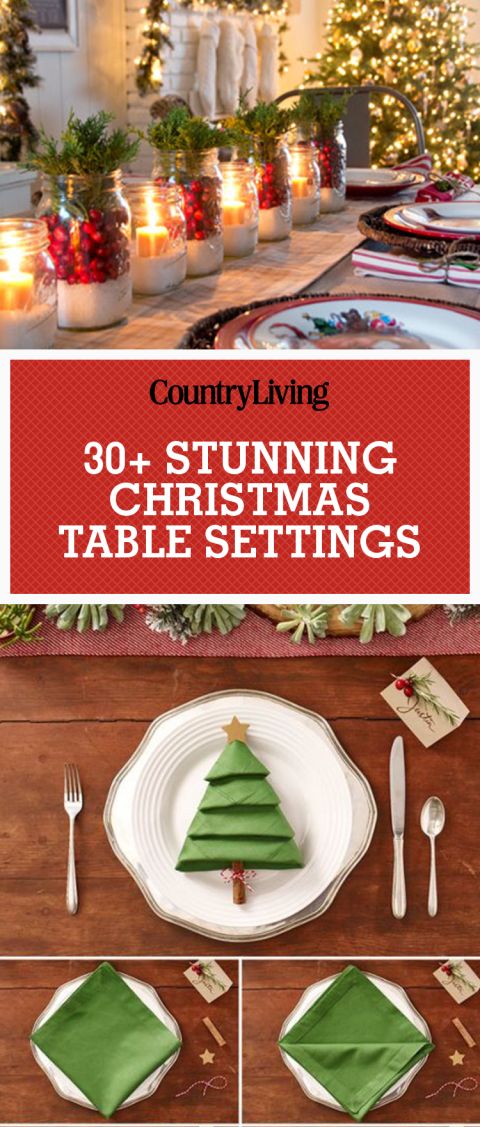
(240, 395)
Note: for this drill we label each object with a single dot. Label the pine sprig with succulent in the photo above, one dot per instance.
(258, 129)
(84, 616)
(182, 621)
(459, 612)
(377, 618)
(16, 624)
(304, 618)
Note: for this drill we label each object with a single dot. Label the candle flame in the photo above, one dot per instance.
(151, 209)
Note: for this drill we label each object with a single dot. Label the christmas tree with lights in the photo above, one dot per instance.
(17, 63)
(421, 48)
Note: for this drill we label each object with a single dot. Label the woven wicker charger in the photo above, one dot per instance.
(336, 627)
(373, 226)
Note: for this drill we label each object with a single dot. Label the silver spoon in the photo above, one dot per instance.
(432, 821)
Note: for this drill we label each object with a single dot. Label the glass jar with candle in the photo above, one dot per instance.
(305, 182)
(88, 223)
(28, 300)
(240, 208)
(159, 236)
(274, 191)
(331, 149)
(199, 177)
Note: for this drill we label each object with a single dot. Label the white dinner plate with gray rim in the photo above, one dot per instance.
(312, 1087)
(325, 797)
(62, 1084)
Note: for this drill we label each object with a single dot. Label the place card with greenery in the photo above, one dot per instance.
(425, 702)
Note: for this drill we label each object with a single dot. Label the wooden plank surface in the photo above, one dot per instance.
(95, 711)
(272, 1095)
(26, 1094)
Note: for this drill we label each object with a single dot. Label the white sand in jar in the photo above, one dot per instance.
(34, 328)
(204, 256)
(273, 224)
(331, 200)
(305, 209)
(159, 274)
(94, 306)
(240, 239)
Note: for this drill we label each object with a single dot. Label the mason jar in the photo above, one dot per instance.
(240, 208)
(305, 182)
(332, 158)
(158, 249)
(88, 223)
(28, 299)
(200, 179)
(274, 187)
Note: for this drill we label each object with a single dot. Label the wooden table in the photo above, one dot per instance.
(27, 1096)
(94, 711)
(316, 259)
(272, 1095)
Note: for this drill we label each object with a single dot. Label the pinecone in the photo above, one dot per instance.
(169, 618)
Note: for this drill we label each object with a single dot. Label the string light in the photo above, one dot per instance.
(420, 48)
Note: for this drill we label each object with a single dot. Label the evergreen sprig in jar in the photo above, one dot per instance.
(88, 224)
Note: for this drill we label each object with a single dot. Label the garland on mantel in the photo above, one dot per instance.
(156, 34)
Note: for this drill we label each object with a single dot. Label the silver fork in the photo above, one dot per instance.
(73, 802)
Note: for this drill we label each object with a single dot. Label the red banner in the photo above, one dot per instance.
(216, 476)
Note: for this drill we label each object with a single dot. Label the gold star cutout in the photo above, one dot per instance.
(235, 730)
(457, 1058)
(207, 1057)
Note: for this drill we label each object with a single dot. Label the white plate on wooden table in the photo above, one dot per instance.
(65, 1087)
(381, 181)
(326, 799)
(353, 321)
(312, 1087)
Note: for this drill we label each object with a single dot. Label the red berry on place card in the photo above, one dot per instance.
(408, 691)
(400, 684)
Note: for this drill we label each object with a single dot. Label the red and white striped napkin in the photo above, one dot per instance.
(398, 267)
(422, 163)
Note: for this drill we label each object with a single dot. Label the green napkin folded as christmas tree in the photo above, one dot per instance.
(355, 1042)
(105, 1039)
(239, 818)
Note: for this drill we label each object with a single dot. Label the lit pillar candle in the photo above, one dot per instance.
(16, 287)
(300, 187)
(233, 212)
(152, 241)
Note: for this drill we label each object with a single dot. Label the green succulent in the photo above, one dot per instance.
(84, 616)
(205, 617)
(377, 618)
(305, 618)
(16, 624)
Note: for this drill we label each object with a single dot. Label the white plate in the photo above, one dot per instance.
(383, 323)
(153, 800)
(62, 1083)
(381, 181)
(462, 218)
(312, 1087)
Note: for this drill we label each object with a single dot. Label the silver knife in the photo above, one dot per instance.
(397, 807)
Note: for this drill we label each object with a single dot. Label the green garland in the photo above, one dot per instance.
(17, 70)
(156, 35)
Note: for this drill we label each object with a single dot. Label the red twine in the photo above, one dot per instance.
(244, 875)
(458, 1085)
(205, 1084)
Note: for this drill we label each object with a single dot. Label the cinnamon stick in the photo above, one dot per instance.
(239, 890)
(214, 1031)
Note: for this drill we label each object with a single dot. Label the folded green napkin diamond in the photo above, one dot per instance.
(239, 819)
(105, 1039)
(355, 1042)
